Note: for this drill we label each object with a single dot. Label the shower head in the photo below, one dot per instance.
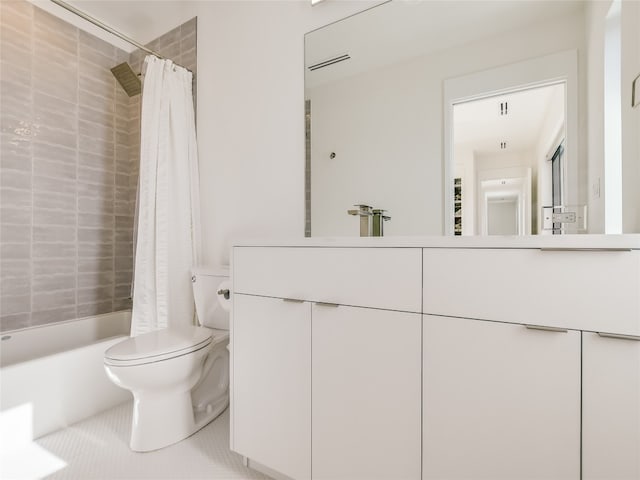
(127, 78)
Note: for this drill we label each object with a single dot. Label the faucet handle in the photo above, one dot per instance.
(380, 212)
(363, 210)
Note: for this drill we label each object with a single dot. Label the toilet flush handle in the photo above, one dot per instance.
(224, 292)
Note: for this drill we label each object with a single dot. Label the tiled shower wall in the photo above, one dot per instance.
(178, 44)
(68, 172)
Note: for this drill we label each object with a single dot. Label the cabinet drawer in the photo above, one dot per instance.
(587, 290)
(388, 278)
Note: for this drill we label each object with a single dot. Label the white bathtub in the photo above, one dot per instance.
(57, 370)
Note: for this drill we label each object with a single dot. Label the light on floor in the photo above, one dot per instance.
(20, 458)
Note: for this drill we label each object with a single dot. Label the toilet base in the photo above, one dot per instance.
(162, 420)
(205, 417)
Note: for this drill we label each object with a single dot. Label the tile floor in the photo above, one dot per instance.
(97, 448)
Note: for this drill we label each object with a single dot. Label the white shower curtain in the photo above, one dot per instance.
(168, 235)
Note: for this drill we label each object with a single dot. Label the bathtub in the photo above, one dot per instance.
(56, 371)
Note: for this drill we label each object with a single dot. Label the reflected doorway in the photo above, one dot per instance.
(502, 216)
(507, 155)
(504, 201)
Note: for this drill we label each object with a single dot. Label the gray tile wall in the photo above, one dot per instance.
(178, 44)
(60, 144)
(70, 140)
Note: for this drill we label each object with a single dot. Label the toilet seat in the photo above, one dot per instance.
(157, 346)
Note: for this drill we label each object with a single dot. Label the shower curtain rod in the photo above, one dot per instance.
(107, 28)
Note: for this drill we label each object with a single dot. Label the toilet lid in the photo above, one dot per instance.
(158, 345)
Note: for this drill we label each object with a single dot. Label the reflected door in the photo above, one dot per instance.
(556, 185)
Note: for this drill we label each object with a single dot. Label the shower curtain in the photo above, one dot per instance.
(168, 216)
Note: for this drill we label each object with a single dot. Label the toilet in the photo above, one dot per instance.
(179, 377)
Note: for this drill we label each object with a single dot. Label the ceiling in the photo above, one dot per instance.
(405, 29)
(480, 123)
(141, 20)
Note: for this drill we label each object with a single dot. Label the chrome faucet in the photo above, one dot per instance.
(364, 212)
(378, 222)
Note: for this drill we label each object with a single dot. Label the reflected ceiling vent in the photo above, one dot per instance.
(504, 108)
(503, 145)
(331, 61)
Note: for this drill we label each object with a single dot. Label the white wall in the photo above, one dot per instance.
(403, 173)
(251, 116)
(595, 15)
(630, 17)
(630, 40)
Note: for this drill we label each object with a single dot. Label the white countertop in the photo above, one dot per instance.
(563, 242)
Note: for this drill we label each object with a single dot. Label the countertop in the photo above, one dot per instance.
(547, 242)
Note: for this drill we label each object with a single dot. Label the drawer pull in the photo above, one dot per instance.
(621, 337)
(292, 300)
(546, 329)
(327, 304)
(578, 249)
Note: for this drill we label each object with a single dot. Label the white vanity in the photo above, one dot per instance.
(438, 358)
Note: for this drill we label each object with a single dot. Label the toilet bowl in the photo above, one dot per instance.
(179, 377)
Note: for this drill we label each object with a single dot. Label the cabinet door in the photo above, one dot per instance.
(501, 401)
(610, 408)
(366, 418)
(271, 348)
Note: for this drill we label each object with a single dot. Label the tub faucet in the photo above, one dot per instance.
(364, 212)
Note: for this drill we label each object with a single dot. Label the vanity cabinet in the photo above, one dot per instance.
(271, 355)
(343, 395)
(366, 414)
(610, 407)
(437, 363)
(500, 401)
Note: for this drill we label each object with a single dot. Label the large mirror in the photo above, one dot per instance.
(475, 118)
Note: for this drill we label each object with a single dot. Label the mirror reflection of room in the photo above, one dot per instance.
(503, 151)
(378, 100)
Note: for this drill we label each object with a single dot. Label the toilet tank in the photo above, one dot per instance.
(206, 282)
